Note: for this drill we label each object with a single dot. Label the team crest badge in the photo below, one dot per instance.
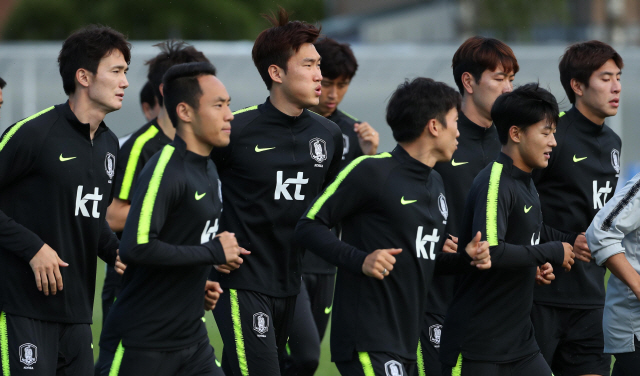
(110, 165)
(393, 368)
(261, 323)
(28, 354)
(442, 205)
(345, 146)
(318, 150)
(615, 160)
(435, 331)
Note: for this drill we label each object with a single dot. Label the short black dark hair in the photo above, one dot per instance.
(181, 85)
(523, 107)
(147, 96)
(414, 103)
(337, 59)
(85, 48)
(3, 83)
(172, 52)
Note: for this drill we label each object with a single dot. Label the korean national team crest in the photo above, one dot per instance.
(28, 354)
(615, 160)
(393, 368)
(261, 323)
(318, 150)
(435, 331)
(110, 165)
(442, 205)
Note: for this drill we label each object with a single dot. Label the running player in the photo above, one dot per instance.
(139, 148)
(56, 176)
(582, 176)
(313, 306)
(393, 211)
(170, 242)
(483, 68)
(487, 329)
(279, 158)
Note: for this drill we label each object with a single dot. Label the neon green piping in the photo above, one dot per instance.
(562, 114)
(365, 360)
(15, 128)
(144, 226)
(352, 117)
(331, 189)
(237, 331)
(492, 204)
(4, 345)
(117, 360)
(421, 371)
(132, 163)
(245, 110)
(457, 370)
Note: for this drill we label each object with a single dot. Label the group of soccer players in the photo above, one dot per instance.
(449, 249)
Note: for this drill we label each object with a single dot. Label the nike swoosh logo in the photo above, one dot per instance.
(198, 197)
(406, 202)
(526, 210)
(578, 159)
(63, 159)
(258, 150)
(454, 163)
(328, 310)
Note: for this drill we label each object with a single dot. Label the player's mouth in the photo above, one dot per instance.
(318, 90)
(226, 130)
(615, 102)
(120, 96)
(330, 105)
(547, 155)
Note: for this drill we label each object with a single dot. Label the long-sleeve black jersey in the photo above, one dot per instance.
(55, 187)
(385, 201)
(271, 171)
(312, 263)
(581, 177)
(168, 245)
(488, 318)
(477, 147)
(134, 154)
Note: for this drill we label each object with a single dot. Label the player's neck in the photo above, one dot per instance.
(165, 124)
(473, 113)
(587, 112)
(280, 101)
(86, 111)
(511, 150)
(193, 144)
(421, 151)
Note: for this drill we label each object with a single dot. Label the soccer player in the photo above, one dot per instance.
(483, 68)
(148, 102)
(393, 211)
(487, 329)
(582, 176)
(613, 241)
(56, 176)
(139, 148)
(169, 242)
(279, 158)
(313, 306)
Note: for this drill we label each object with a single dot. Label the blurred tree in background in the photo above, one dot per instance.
(153, 19)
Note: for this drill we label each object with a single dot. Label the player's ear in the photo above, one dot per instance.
(577, 87)
(82, 77)
(161, 87)
(467, 80)
(515, 134)
(184, 112)
(276, 73)
(432, 127)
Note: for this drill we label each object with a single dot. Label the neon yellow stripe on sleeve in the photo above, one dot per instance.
(4, 345)
(245, 110)
(117, 360)
(420, 359)
(237, 331)
(365, 360)
(132, 163)
(492, 204)
(144, 225)
(15, 128)
(457, 370)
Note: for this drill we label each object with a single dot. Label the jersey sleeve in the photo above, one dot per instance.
(619, 217)
(19, 149)
(129, 164)
(334, 167)
(160, 188)
(108, 244)
(348, 193)
(550, 234)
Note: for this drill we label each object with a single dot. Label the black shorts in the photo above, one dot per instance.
(627, 364)
(254, 328)
(571, 340)
(532, 365)
(376, 363)
(34, 347)
(428, 363)
(313, 309)
(198, 359)
(110, 290)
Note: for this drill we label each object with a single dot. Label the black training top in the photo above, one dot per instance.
(582, 176)
(477, 147)
(55, 187)
(390, 200)
(168, 245)
(312, 263)
(488, 319)
(271, 171)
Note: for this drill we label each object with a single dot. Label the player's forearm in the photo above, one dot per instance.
(453, 263)
(548, 234)
(107, 245)
(18, 239)
(159, 253)
(622, 269)
(506, 255)
(117, 214)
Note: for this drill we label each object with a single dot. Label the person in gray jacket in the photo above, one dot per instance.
(614, 240)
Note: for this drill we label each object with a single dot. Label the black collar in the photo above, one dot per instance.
(420, 169)
(582, 123)
(514, 171)
(471, 130)
(82, 128)
(181, 148)
(281, 117)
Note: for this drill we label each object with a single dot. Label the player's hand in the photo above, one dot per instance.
(581, 248)
(368, 138)
(479, 252)
(379, 263)
(568, 256)
(544, 274)
(232, 252)
(46, 268)
(119, 265)
(212, 291)
(450, 245)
